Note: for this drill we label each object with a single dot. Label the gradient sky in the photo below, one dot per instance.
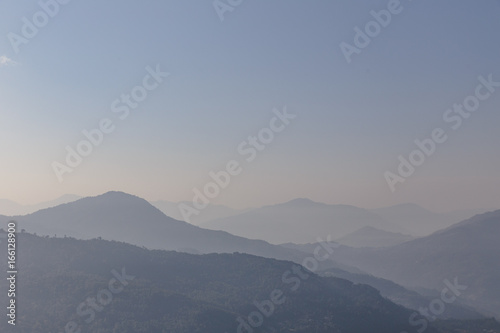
(353, 120)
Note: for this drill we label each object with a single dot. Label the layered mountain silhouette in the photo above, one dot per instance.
(128, 218)
(211, 212)
(9, 207)
(467, 251)
(302, 220)
(373, 237)
(418, 221)
(107, 287)
(405, 297)
(298, 221)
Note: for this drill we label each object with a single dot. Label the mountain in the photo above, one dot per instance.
(11, 208)
(299, 221)
(467, 251)
(416, 220)
(390, 290)
(373, 237)
(408, 298)
(100, 286)
(124, 217)
(464, 214)
(211, 212)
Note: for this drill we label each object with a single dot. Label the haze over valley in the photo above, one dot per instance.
(232, 166)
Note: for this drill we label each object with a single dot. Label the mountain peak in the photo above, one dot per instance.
(117, 196)
(302, 202)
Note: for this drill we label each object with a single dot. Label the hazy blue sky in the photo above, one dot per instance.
(353, 120)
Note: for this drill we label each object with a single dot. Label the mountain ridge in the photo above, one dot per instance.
(467, 250)
(183, 293)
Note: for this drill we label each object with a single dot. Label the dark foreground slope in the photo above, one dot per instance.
(88, 286)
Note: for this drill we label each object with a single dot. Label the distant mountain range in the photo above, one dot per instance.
(467, 251)
(373, 237)
(418, 221)
(299, 221)
(124, 217)
(211, 212)
(171, 209)
(302, 220)
(11, 208)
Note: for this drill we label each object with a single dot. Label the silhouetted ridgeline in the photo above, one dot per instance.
(161, 291)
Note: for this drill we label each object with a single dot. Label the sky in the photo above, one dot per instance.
(353, 119)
